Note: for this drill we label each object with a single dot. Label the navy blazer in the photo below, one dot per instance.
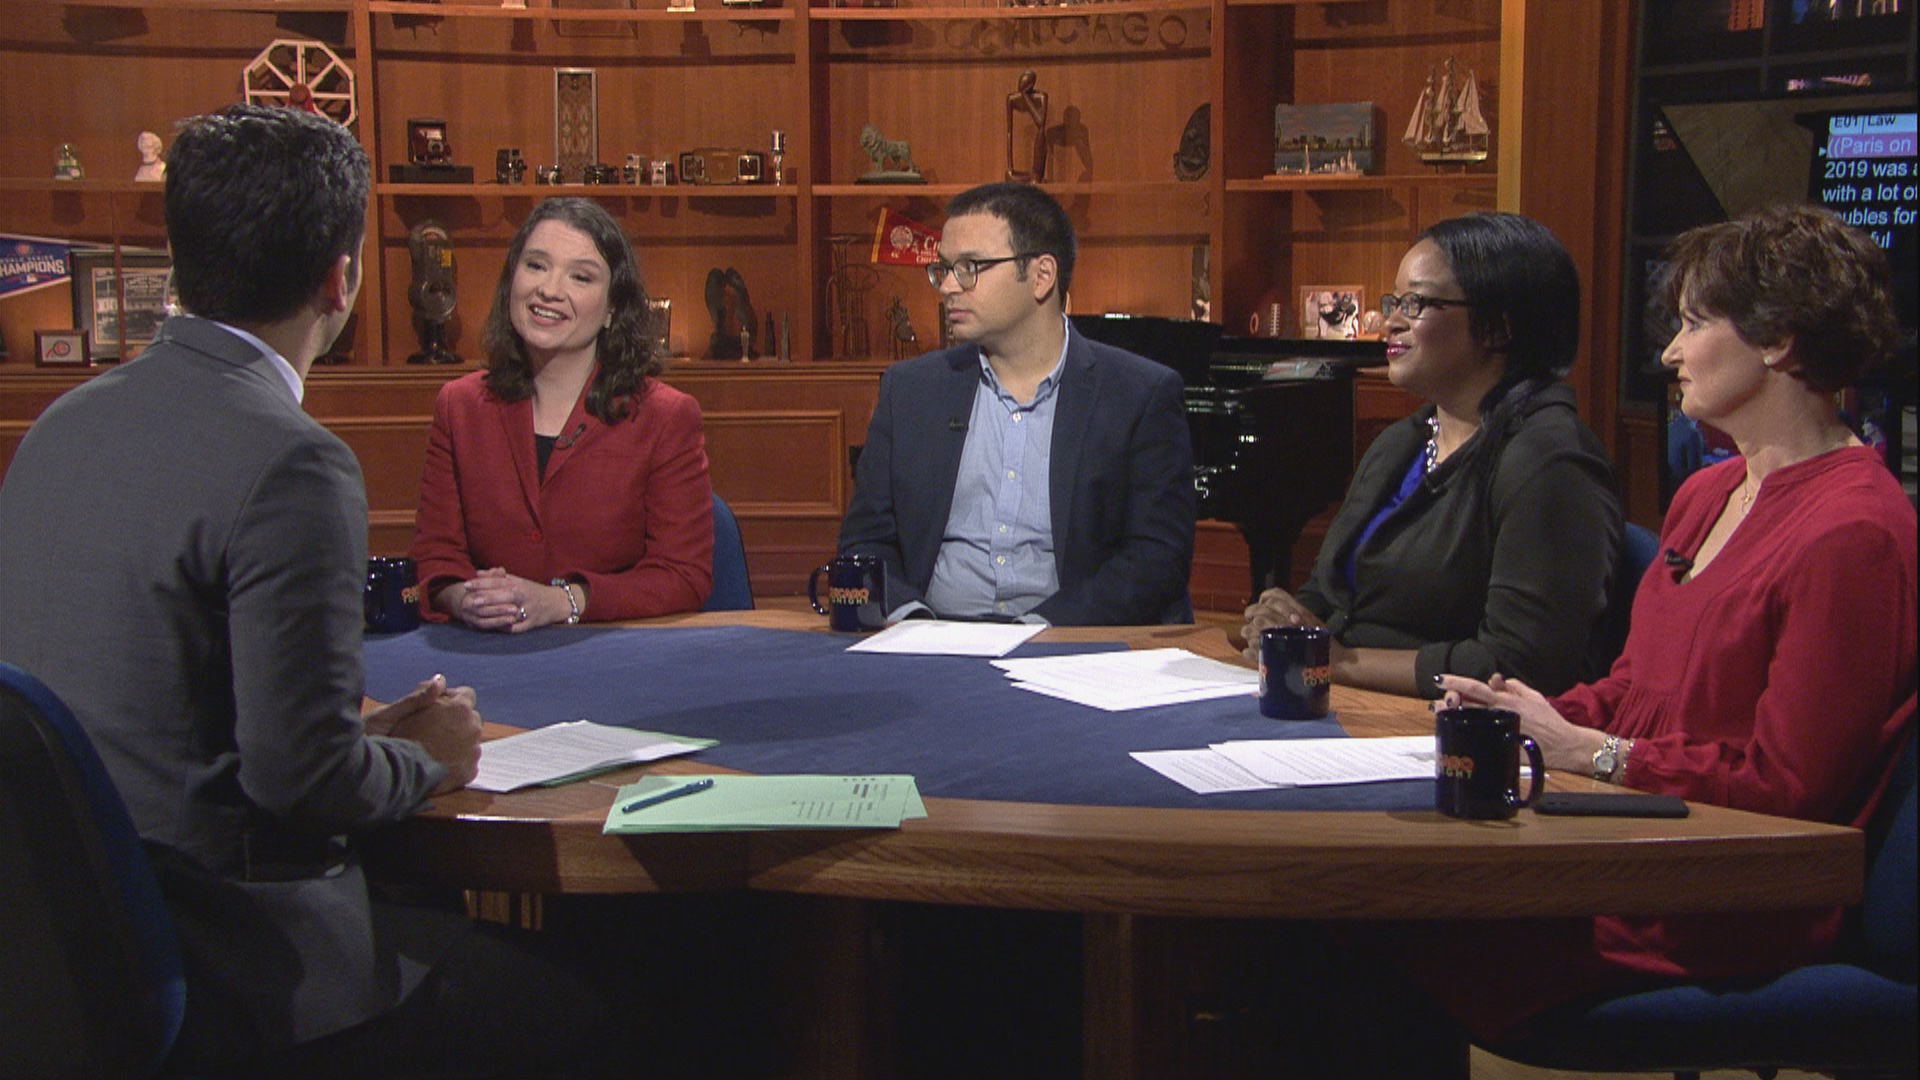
(1121, 487)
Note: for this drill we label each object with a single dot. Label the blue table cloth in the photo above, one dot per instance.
(784, 701)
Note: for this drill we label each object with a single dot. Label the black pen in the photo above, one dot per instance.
(674, 793)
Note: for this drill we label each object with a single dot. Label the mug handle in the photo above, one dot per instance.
(813, 587)
(1539, 766)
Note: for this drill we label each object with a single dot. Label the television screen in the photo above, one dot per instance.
(1864, 169)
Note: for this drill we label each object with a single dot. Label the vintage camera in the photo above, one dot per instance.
(716, 165)
(427, 142)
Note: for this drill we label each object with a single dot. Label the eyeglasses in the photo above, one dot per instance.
(1413, 305)
(965, 271)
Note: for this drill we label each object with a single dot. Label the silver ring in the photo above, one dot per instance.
(521, 616)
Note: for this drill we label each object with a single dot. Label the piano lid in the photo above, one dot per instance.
(1204, 356)
(1185, 345)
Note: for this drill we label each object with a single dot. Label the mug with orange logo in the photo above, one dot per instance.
(392, 602)
(1477, 763)
(1296, 672)
(856, 592)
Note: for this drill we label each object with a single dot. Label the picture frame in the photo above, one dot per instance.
(1325, 140)
(1332, 311)
(115, 332)
(61, 348)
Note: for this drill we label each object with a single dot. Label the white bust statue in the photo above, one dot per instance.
(151, 167)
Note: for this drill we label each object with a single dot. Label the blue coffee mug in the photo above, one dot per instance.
(856, 592)
(392, 598)
(1296, 672)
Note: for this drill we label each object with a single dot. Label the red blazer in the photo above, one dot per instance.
(624, 507)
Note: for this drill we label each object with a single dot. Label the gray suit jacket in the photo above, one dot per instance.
(182, 559)
(1121, 488)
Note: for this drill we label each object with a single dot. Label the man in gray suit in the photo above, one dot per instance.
(182, 558)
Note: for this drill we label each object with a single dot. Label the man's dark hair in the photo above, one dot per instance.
(1038, 225)
(624, 353)
(1523, 287)
(261, 201)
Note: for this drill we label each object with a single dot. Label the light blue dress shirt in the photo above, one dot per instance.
(996, 558)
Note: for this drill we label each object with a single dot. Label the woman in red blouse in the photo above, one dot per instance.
(565, 482)
(1770, 664)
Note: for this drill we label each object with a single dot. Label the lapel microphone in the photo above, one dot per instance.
(570, 438)
(1680, 563)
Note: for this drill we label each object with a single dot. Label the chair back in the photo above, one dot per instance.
(1889, 909)
(93, 986)
(732, 588)
(1639, 546)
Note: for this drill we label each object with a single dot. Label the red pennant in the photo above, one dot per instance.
(899, 240)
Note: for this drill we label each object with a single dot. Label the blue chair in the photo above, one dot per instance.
(93, 985)
(732, 588)
(1855, 1017)
(1639, 547)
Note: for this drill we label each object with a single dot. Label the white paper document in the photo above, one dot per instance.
(1311, 762)
(935, 637)
(566, 751)
(1202, 772)
(1136, 679)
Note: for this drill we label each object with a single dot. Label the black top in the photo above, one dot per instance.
(1501, 559)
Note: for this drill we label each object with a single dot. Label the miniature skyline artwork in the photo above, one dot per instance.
(1323, 140)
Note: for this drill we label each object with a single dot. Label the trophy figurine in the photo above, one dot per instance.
(431, 291)
(892, 159)
(778, 158)
(1027, 131)
(732, 314)
(67, 166)
(900, 332)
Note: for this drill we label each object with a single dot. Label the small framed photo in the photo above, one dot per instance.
(1331, 311)
(60, 348)
(120, 317)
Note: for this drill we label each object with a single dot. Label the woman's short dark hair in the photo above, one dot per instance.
(1791, 271)
(625, 347)
(1523, 287)
(1036, 223)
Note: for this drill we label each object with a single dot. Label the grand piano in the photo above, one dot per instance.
(1271, 421)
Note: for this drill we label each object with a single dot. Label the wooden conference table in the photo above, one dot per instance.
(1141, 874)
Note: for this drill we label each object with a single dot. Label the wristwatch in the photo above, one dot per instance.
(573, 618)
(1608, 759)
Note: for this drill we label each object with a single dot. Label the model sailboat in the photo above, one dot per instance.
(1447, 125)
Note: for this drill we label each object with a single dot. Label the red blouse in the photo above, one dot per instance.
(1779, 679)
(625, 508)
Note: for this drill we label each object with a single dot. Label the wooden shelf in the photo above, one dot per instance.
(623, 191)
(1168, 188)
(614, 15)
(1364, 182)
(951, 12)
(257, 6)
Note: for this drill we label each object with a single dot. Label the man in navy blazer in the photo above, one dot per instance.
(1026, 473)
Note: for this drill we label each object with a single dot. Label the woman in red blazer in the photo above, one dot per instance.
(564, 481)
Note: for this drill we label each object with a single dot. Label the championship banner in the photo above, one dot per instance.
(31, 262)
(899, 240)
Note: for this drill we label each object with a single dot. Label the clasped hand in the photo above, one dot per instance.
(1564, 744)
(497, 600)
(1276, 607)
(444, 720)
